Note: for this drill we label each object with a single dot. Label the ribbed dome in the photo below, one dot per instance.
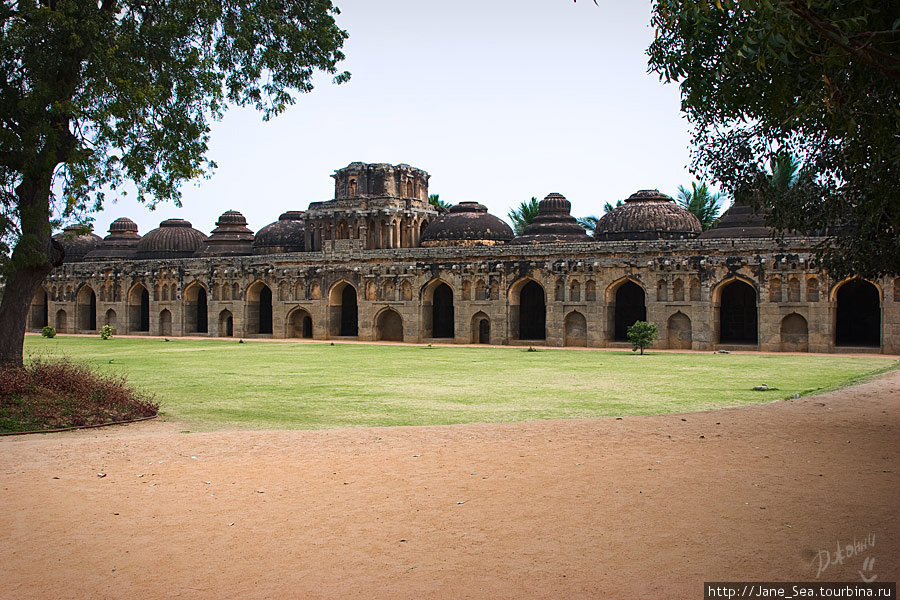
(467, 224)
(739, 221)
(231, 237)
(75, 243)
(287, 234)
(174, 238)
(120, 244)
(553, 223)
(648, 215)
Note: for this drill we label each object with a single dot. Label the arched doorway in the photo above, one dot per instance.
(630, 306)
(86, 309)
(62, 321)
(794, 334)
(139, 309)
(442, 318)
(678, 331)
(532, 312)
(111, 319)
(858, 318)
(301, 324)
(344, 310)
(481, 329)
(40, 309)
(259, 308)
(575, 329)
(196, 307)
(737, 314)
(226, 324)
(165, 322)
(389, 326)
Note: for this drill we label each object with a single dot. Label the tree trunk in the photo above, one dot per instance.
(34, 255)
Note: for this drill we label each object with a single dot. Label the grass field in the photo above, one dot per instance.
(213, 384)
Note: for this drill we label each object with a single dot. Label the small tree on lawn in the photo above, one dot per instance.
(642, 334)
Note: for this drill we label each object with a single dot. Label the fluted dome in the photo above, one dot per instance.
(287, 234)
(120, 244)
(648, 215)
(739, 221)
(76, 243)
(466, 224)
(231, 237)
(174, 238)
(553, 223)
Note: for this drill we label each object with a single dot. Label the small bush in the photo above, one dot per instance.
(106, 332)
(48, 331)
(56, 394)
(641, 335)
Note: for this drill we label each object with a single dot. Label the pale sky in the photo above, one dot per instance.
(498, 101)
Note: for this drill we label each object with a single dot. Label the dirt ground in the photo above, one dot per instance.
(642, 507)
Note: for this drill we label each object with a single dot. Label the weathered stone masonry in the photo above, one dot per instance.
(703, 292)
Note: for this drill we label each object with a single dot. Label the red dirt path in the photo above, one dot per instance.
(643, 507)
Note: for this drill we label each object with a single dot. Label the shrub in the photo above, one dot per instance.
(642, 334)
(106, 332)
(56, 394)
(48, 331)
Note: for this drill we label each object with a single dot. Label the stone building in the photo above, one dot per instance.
(379, 263)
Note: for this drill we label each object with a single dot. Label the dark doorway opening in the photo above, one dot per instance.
(265, 310)
(442, 312)
(737, 314)
(484, 332)
(145, 311)
(307, 326)
(858, 315)
(202, 315)
(92, 315)
(349, 312)
(630, 307)
(532, 312)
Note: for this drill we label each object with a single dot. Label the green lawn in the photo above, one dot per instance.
(215, 384)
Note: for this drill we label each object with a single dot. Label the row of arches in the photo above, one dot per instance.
(857, 319)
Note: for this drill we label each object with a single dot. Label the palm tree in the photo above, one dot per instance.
(785, 171)
(589, 223)
(522, 216)
(702, 203)
(608, 208)
(435, 201)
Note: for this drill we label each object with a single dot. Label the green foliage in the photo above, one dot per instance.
(608, 208)
(522, 216)
(589, 223)
(817, 81)
(48, 331)
(642, 334)
(106, 332)
(702, 203)
(100, 95)
(435, 201)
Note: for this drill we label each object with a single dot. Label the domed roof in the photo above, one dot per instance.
(553, 223)
(739, 220)
(77, 242)
(287, 234)
(231, 237)
(174, 238)
(466, 224)
(120, 244)
(647, 215)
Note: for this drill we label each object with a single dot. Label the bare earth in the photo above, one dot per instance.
(642, 507)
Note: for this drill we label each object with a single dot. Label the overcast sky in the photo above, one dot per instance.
(498, 101)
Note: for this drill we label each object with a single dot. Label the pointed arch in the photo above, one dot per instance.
(389, 326)
(857, 313)
(438, 311)
(165, 322)
(736, 314)
(574, 291)
(575, 329)
(405, 290)
(86, 309)
(481, 328)
(259, 308)
(678, 331)
(678, 290)
(40, 309)
(343, 309)
(111, 319)
(139, 309)
(387, 290)
(299, 324)
(62, 321)
(794, 333)
(626, 304)
(226, 323)
(527, 310)
(196, 308)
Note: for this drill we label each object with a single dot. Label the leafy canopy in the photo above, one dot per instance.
(641, 334)
(523, 215)
(95, 94)
(819, 81)
(702, 202)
